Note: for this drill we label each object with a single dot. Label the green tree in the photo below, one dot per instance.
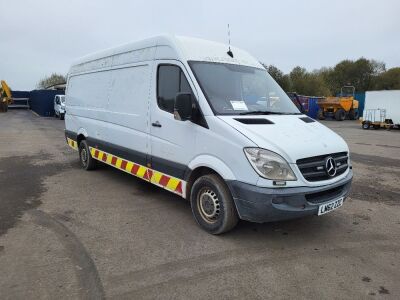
(359, 73)
(389, 80)
(282, 79)
(51, 80)
(306, 83)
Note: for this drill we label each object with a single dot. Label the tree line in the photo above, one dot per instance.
(364, 74)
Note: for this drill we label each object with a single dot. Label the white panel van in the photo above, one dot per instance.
(208, 123)
(59, 106)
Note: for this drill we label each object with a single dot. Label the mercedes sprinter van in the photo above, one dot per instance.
(208, 123)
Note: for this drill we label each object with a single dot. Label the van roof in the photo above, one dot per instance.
(165, 47)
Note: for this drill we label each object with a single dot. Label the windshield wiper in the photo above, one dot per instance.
(261, 112)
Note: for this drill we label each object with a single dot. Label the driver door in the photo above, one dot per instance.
(172, 142)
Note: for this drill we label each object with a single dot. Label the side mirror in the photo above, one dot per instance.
(183, 107)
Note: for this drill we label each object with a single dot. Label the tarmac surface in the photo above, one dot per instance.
(68, 233)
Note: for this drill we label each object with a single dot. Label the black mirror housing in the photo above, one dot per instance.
(183, 106)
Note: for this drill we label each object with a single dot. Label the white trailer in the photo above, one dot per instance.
(382, 109)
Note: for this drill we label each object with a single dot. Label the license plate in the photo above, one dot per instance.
(328, 207)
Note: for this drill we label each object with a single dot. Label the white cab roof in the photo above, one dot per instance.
(164, 47)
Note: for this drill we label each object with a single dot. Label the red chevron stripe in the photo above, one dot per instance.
(164, 180)
(96, 153)
(104, 157)
(123, 164)
(113, 160)
(179, 188)
(135, 168)
(148, 174)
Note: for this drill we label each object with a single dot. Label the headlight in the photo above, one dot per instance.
(269, 164)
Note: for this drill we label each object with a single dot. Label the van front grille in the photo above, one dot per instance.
(314, 168)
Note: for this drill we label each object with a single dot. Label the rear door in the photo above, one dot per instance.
(172, 142)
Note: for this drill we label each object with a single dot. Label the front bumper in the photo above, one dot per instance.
(257, 204)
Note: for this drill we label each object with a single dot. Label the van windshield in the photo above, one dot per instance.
(236, 89)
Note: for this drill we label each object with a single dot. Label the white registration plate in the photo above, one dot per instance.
(328, 207)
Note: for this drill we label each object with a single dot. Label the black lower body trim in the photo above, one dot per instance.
(70, 134)
(159, 164)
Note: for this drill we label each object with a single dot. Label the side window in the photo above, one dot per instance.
(170, 81)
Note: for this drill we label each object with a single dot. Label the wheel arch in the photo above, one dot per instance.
(81, 135)
(203, 165)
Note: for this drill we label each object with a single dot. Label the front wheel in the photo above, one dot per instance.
(340, 115)
(87, 162)
(212, 204)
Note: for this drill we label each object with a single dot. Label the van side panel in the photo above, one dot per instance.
(86, 103)
(128, 108)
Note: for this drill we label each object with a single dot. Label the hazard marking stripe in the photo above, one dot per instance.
(165, 181)
(72, 144)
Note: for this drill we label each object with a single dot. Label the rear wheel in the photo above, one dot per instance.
(212, 204)
(87, 162)
(321, 115)
(366, 125)
(340, 115)
(353, 114)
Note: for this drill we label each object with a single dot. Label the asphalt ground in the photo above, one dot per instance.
(68, 233)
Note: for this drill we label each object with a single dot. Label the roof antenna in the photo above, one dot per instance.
(229, 43)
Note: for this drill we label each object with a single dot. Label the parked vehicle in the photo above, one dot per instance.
(382, 110)
(59, 106)
(5, 96)
(343, 107)
(208, 123)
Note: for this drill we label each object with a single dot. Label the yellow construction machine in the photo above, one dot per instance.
(5, 96)
(340, 108)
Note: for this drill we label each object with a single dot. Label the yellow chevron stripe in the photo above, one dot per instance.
(156, 175)
(142, 170)
(172, 184)
(129, 166)
(72, 144)
(118, 164)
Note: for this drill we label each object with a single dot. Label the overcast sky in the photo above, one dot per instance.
(38, 37)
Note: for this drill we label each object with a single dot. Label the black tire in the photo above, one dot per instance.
(376, 127)
(340, 115)
(62, 116)
(321, 115)
(353, 114)
(366, 125)
(87, 162)
(212, 204)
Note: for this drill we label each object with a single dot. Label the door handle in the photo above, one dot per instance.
(156, 124)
